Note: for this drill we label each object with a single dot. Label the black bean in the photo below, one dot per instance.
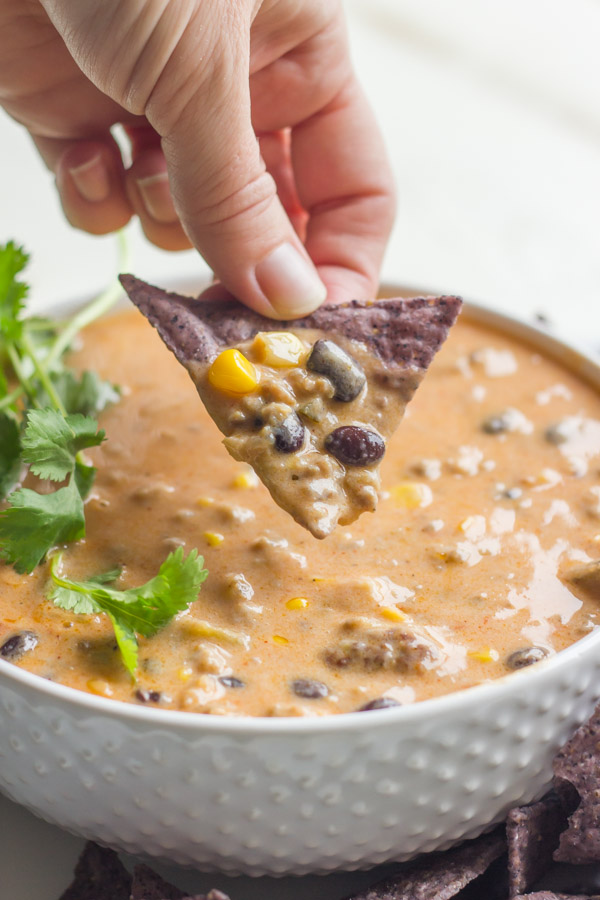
(355, 446)
(309, 689)
(145, 696)
(289, 435)
(527, 656)
(19, 644)
(347, 377)
(560, 432)
(494, 425)
(379, 703)
(231, 681)
(513, 493)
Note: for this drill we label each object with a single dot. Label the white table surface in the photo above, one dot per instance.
(491, 113)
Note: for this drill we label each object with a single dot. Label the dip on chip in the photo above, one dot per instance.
(309, 403)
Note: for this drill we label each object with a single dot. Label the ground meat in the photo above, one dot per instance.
(391, 648)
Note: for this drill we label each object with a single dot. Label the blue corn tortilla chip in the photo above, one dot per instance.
(440, 876)
(532, 835)
(99, 875)
(399, 332)
(577, 775)
(550, 895)
(148, 885)
(401, 338)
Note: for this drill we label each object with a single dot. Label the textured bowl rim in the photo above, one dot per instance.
(252, 726)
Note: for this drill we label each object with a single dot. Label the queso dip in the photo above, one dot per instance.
(490, 496)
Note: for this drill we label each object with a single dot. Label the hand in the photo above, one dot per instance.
(302, 212)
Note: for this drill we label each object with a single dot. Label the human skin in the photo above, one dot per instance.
(250, 137)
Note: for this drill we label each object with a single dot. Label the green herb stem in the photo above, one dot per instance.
(26, 384)
(42, 374)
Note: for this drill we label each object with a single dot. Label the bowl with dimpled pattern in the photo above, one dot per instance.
(281, 796)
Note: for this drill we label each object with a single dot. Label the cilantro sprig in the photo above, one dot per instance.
(34, 522)
(46, 421)
(135, 611)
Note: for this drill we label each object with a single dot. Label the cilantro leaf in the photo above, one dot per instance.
(51, 442)
(143, 610)
(87, 394)
(10, 454)
(34, 523)
(13, 260)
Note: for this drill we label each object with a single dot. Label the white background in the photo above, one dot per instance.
(491, 113)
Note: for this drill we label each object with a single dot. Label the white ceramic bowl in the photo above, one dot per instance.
(269, 796)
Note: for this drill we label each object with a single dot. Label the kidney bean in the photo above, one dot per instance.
(309, 689)
(327, 358)
(527, 656)
(231, 681)
(379, 703)
(289, 435)
(355, 446)
(19, 644)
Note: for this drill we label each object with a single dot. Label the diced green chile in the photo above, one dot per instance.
(18, 645)
(527, 656)
(328, 359)
(289, 434)
(353, 445)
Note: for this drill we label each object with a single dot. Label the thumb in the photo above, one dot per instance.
(226, 199)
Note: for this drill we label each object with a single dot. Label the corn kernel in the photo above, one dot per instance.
(205, 501)
(213, 538)
(278, 349)
(233, 373)
(412, 494)
(185, 673)
(280, 639)
(486, 655)
(297, 603)
(100, 687)
(393, 614)
(247, 478)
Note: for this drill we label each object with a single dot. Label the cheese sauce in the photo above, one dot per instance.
(490, 495)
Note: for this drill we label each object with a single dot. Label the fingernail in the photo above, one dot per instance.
(91, 179)
(290, 283)
(156, 197)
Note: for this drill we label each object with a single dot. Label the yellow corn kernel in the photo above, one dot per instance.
(412, 494)
(280, 639)
(213, 538)
(185, 673)
(486, 655)
(100, 687)
(233, 373)
(200, 628)
(278, 349)
(297, 603)
(393, 614)
(247, 478)
(205, 501)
